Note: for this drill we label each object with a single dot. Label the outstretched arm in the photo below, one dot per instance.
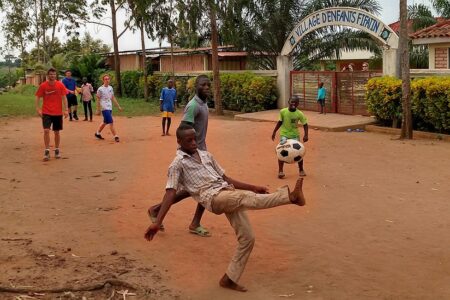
(168, 200)
(116, 103)
(245, 186)
(279, 123)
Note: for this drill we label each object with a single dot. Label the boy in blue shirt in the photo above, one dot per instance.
(167, 101)
(321, 95)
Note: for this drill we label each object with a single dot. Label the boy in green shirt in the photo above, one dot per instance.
(288, 122)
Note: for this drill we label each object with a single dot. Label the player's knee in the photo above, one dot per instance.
(46, 130)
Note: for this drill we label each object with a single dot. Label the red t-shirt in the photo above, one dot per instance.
(52, 95)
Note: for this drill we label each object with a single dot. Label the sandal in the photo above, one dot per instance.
(281, 175)
(153, 219)
(201, 231)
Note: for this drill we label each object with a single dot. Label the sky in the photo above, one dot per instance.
(131, 41)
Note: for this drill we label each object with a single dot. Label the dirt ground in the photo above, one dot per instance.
(376, 224)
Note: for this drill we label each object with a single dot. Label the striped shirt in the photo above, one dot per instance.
(201, 179)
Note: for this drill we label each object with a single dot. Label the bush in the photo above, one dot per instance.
(430, 99)
(248, 92)
(130, 84)
(25, 89)
(431, 103)
(383, 98)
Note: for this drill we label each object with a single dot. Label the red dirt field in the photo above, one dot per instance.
(376, 224)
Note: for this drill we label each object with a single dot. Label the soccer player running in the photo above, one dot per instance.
(196, 115)
(200, 175)
(71, 86)
(54, 106)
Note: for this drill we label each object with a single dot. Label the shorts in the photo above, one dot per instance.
(321, 102)
(71, 100)
(284, 139)
(107, 116)
(53, 122)
(167, 114)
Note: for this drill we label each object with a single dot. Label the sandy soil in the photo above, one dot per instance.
(376, 224)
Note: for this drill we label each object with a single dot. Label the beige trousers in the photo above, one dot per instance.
(234, 204)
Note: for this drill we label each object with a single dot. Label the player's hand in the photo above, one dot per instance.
(72, 92)
(39, 112)
(305, 138)
(66, 114)
(120, 108)
(151, 231)
(260, 190)
(97, 112)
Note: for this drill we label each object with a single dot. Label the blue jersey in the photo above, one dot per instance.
(321, 93)
(69, 83)
(168, 98)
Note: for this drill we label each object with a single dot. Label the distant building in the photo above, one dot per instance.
(185, 60)
(437, 37)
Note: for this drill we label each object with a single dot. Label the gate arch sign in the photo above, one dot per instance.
(342, 16)
(336, 16)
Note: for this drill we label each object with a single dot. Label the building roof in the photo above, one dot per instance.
(438, 30)
(396, 25)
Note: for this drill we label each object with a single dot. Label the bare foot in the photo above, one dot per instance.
(227, 283)
(296, 196)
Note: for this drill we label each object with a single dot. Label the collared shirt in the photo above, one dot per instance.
(196, 112)
(201, 179)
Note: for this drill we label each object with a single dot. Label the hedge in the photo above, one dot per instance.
(240, 92)
(430, 98)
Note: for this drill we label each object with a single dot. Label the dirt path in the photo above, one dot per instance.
(376, 224)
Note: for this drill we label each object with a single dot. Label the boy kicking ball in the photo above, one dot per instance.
(201, 176)
(105, 96)
(288, 122)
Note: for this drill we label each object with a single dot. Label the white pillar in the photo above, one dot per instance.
(391, 63)
(284, 67)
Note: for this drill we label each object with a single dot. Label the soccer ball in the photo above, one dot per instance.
(290, 152)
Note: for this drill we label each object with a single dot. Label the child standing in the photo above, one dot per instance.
(105, 96)
(321, 95)
(288, 122)
(167, 100)
(86, 97)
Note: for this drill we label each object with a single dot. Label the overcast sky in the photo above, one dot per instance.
(131, 41)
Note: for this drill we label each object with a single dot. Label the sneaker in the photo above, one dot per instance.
(46, 155)
(117, 139)
(57, 154)
(302, 173)
(75, 117)
(99, 136)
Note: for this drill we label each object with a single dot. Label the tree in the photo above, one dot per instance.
(262, 27)
(407, 128)
(442, 7)
(98, 10)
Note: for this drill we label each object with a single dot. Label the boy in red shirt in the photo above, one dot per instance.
(54, 106)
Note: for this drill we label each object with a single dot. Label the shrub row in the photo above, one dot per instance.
(240, 92)
(430, 98)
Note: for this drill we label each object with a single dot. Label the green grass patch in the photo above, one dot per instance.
(19, 105)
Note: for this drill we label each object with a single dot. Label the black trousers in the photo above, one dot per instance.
(87, 105)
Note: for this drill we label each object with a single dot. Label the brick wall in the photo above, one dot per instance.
(441, 58)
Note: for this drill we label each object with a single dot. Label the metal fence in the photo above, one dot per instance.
(345, 90)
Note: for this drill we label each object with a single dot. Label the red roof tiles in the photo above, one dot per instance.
(441, 29)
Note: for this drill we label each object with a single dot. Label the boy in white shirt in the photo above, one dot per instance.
(105, 96)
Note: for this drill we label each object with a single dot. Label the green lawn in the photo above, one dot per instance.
(23, 105)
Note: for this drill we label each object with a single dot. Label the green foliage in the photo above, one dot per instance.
(25, 89)
(130, 84)
(248, 92)
(430, 101)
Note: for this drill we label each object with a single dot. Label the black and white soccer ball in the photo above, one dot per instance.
(291, 151)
